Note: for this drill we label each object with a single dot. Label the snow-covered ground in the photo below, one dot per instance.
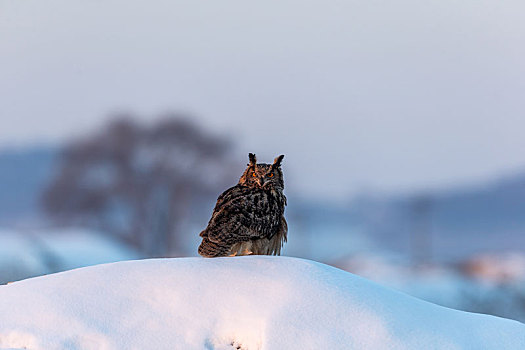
(233, 303)
(32, 253)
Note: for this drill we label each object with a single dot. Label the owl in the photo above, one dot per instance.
(249, 217)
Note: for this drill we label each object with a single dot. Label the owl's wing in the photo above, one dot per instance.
(219, 211)
(225, 198)
(242, 214)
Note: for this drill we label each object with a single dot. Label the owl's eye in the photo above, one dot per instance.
(270, 175)
(254, 174)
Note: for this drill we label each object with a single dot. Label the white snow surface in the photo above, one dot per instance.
(233, 303)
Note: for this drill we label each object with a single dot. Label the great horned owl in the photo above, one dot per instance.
(249, 217)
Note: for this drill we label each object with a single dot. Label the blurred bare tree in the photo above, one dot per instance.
(139, 183)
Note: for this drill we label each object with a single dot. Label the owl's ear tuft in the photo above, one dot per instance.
(277, 161)
(253, 159)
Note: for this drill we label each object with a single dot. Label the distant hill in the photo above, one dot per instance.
(450, 225)
(23, 174)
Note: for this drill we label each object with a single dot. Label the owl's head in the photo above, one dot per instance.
(262, 175)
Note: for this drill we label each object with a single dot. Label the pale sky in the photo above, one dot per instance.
(359, 95)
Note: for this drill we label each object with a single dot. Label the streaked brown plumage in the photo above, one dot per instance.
(249, 217)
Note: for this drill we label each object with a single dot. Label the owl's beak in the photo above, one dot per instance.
(260, 181)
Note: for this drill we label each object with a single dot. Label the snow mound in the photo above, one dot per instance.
(233, 303)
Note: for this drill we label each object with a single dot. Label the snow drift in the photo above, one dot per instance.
(233, 303)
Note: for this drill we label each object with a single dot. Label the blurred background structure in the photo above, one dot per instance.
(402, 125)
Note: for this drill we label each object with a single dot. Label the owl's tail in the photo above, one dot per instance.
(209, 249)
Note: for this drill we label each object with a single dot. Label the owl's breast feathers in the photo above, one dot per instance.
(246, 214)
